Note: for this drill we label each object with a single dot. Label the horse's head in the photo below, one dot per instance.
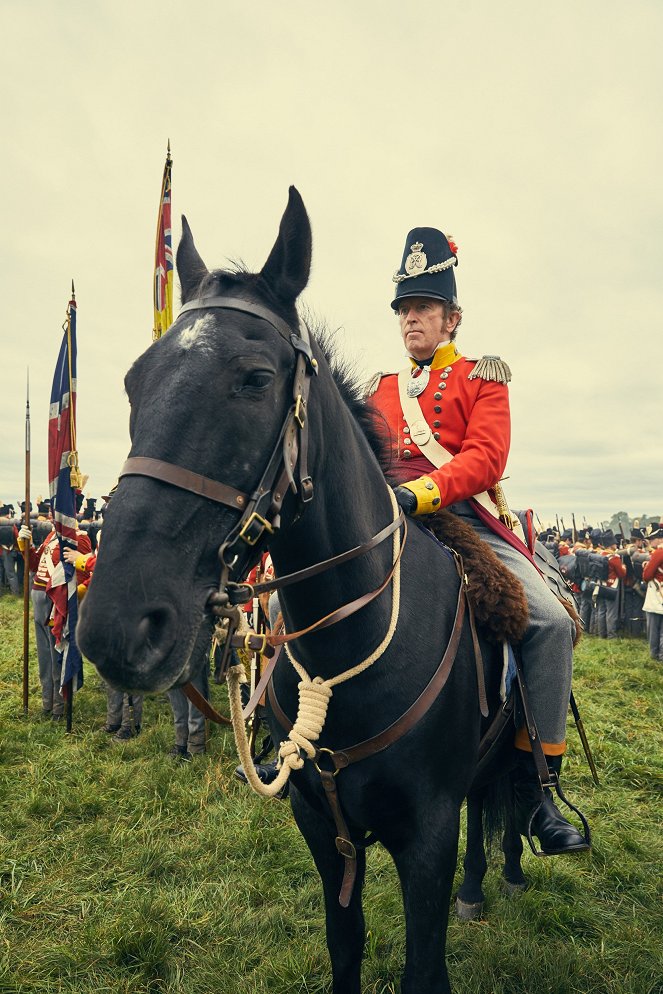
(211, 397)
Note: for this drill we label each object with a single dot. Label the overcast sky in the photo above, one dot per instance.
(530, 132)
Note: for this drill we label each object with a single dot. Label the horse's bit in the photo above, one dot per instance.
(261, 509)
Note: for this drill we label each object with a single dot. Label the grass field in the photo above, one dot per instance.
(124, 871)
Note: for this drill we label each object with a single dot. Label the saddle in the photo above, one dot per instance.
(496, 594)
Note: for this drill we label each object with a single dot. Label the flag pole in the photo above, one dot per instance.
(74, 481)
(161, 285)
(26, 556)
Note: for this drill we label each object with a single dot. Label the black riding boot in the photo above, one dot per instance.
(556, 835)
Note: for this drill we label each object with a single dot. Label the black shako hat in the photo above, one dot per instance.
(429, 258)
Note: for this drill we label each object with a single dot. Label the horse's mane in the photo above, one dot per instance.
(347, 377)
(352, 388)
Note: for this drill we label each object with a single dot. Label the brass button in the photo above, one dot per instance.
(436, 424)
(447, 369)
(407, 454)
(437, 396)
(406, 441)
(430, 485)
(437, 409)
(444, 375)
(443, 386)
(435, 501)
(436, 435)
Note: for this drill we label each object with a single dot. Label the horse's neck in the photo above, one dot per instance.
(351, 504)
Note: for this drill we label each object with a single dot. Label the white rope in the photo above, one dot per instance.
(314, 697)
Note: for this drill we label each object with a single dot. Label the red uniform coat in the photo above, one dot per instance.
(470, 418)
(653, 569)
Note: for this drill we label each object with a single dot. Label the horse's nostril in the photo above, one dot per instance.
(154, 633)
(153, 628)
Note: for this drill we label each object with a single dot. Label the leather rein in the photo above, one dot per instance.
(260, 511)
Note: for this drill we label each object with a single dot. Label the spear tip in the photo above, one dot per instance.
(73, 292)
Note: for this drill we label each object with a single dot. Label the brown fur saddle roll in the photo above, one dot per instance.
(497, 596)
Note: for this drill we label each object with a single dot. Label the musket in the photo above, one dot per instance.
(557, 522)
(575, 530)
(563, 526)
(26, 557)
(583, 739)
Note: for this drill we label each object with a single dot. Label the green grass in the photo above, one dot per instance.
(122, 871)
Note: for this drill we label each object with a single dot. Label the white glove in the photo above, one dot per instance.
(25, 534)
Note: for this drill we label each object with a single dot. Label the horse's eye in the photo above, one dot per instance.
(258, 379)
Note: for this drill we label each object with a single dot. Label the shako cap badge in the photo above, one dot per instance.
(416, 261)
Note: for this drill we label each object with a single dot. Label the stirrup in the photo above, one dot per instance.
(553, 781)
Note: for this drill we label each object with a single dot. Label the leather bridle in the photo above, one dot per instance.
(287, 467)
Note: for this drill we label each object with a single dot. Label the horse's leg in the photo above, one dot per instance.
(470, 896)
(345, 926)
(426, 867)
(512, 847)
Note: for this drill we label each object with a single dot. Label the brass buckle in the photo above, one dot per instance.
(248, 526)
(254, 635)
(300, 405)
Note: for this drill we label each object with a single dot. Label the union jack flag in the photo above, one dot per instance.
(62, 587)
(163, 262)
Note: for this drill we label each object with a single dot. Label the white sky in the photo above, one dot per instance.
(531, 132)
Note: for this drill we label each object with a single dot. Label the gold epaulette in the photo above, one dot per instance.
(372, 385)
(491, 367)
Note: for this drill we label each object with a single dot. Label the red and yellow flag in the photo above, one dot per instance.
(163, 258)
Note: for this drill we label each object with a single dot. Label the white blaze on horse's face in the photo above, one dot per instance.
(195, 332)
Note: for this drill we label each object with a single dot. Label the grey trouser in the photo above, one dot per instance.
(655, 635)
(607, 616)
(50, 661)
(11, 575)
(118, 709)
(547, 647)
(586, 607)
(189, 721)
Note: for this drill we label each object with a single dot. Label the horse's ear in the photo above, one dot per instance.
(289, 264)
(190, 267)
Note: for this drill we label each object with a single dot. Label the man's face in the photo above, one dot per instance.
(424, 326)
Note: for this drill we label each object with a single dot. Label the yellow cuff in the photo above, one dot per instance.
(81, 590)
(427, 493)
(81, 562)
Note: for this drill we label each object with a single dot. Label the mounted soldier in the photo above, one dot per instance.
(449, 426)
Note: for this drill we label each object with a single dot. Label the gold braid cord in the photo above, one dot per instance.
(314, 697)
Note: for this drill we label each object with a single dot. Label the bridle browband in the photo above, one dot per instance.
(287, 467)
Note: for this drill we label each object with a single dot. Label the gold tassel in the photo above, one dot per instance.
(491, 367)
(75, 475)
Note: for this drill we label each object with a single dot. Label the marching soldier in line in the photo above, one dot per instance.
(652, 573)
(8, 540)
(450, 429)
(608, 601)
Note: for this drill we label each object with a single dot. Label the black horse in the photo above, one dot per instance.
(212, 397)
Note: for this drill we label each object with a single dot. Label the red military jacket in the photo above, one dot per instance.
(653, 569)
(616, 568)
(469, 417)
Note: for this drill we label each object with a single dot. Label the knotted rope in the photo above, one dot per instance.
(314, 697)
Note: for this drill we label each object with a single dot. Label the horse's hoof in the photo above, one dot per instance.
(511, 889)
(468, 912)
